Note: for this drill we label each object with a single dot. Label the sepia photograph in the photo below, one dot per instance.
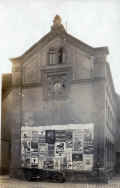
(60, 94)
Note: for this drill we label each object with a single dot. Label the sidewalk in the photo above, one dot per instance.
(6, 182)
(4, 179)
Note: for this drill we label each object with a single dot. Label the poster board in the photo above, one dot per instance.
(58, 147)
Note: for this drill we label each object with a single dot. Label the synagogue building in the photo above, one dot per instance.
(60, 110)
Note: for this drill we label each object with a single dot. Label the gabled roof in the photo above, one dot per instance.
(57, 30)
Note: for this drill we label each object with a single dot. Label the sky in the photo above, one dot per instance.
(24, 22)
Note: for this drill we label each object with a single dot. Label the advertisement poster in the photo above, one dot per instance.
(50, 136)
(57, 163)
(78, 136)
(43, 149)
(60, 135)
(49, 164)
(88, 161)
(69, 139)
(41, 164)
(34, 162)
(59, 149)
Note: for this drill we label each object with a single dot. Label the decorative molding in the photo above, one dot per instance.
(56, 81)
(31, 74)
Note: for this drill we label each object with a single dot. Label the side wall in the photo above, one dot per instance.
(111, 121)
(99, 100)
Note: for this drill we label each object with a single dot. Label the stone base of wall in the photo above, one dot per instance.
(99, 176)
(4, 171)
(16, 173)
(89, 177)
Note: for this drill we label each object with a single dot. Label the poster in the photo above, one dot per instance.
(34, 146)
(25, 145)
(35, 134)
(69, 139)
(43, 149)
(49, 164)
(57, 163)
(42, 138)
(50, 136)
(60, 135)
(41, 164)
(88, 162)
(69, 165)
(77, 161)
(68, 155)
(51, 150)
(58, 147)
(88, 142)
(34, 162)
(26, 134)
(77, 165)
(78, 136)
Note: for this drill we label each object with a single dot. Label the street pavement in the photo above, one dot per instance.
(7, 182)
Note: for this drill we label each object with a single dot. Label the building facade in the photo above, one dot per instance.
(61, 81)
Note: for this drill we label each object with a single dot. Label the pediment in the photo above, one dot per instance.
(58, 31)
(75, 53)
(63, 36)
(37, 58)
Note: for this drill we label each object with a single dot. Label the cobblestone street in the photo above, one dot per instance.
(6, 182)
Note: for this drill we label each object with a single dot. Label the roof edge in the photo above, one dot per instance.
(101, 50)
(16, 59)
(97, 51)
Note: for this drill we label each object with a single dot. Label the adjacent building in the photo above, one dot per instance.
(62, 89)
(6, 125)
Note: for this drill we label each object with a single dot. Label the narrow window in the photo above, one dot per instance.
(60, 56)
(56, 56)
(51, 55)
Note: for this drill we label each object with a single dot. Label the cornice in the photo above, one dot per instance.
(40, 84)
(56, 68)
(90, 80)
(27, 85)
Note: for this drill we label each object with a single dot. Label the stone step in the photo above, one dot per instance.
(4, 179)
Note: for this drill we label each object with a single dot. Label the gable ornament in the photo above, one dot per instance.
(57, 20)
(57, 24)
